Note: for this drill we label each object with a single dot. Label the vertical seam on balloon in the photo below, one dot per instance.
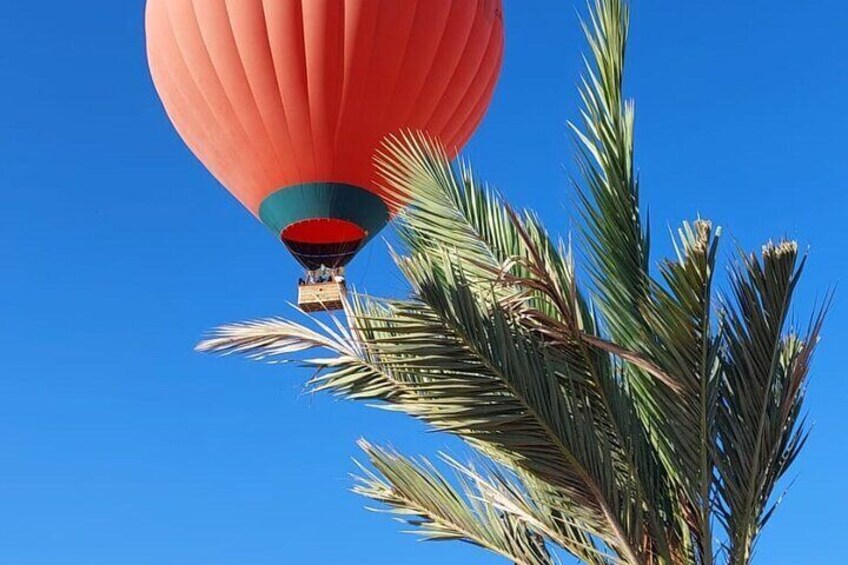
(256, 154)
(250, 88)
(417, 98)
(344, 92)
(487, 53)
(166, 75)
(370, 60)
(306, 83)
(481, 106)
(494, 36)
(441, 97)
(185, 62)
(484, 101)
(197, 83)
(343, 98)
(479, 109)
(401, 67)
(338, 99)
(181, 51)
(294, 160)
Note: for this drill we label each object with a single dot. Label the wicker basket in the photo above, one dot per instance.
(321, 297)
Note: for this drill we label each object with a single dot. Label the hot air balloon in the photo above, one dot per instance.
(286, 101)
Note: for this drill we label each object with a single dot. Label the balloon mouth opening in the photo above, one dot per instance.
(323, 242)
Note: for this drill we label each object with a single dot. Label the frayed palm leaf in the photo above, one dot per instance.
(759, 423)
(422, 497)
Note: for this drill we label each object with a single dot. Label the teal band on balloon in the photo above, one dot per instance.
(316, 200)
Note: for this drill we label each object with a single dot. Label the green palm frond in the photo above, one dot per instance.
(421, 496)
(351, 371)
(616, 243)
(460, 363)
(436, 211)
(764, 372)
(541, 507)
(680, 338)
(643, 431)
(669, 322)
(442, 206)
(537, 285)
(564, 448)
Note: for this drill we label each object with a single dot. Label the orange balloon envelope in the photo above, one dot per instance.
(286, 101)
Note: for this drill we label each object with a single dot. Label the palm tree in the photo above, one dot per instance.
(641, 416)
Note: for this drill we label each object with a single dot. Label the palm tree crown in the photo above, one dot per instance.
(640, 416)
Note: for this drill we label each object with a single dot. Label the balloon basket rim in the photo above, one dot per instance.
(325, 296)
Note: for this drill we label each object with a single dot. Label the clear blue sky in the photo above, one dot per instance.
(119, 445)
